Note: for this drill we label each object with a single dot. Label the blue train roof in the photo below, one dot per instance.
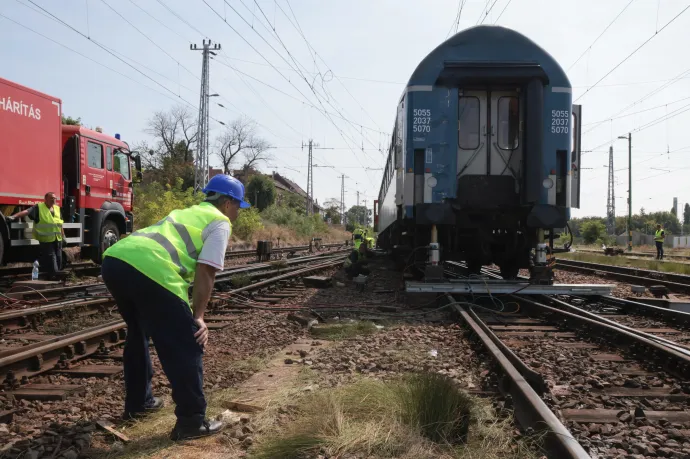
(487, 51)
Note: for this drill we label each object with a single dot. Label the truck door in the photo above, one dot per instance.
(109, 168)
(122, 179)
(94, 178)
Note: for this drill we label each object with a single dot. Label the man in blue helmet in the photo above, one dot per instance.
(149, 274)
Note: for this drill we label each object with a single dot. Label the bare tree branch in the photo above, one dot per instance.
(240, 137)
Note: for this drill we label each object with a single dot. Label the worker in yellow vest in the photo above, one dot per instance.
(48, 232)
(659, 237)
(149, 274)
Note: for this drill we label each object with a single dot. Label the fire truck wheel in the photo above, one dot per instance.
(109, 236)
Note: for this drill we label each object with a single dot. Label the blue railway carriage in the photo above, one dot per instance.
(484, 157)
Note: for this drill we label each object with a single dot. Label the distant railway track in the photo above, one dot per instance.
(636, 254)
(677, 283)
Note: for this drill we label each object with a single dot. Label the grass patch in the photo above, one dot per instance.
(279, 264)
(343, 330)
(422, 417)
(240, 280)
(654, 265)
(250, 365)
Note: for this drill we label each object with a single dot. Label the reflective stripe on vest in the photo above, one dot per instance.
(49, 226)
(167, 251)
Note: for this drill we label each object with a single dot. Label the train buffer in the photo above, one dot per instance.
(503, 287)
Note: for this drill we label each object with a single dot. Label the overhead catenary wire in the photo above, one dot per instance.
(633, 52)
(600, 35)
(342, 134)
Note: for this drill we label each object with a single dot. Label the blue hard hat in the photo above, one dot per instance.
(229, 186)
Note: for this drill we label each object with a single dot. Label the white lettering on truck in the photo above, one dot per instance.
(20, 108)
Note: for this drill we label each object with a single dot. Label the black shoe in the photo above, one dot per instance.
(155, 405)
(205, 429)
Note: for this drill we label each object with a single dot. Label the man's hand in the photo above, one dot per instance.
(10, 218)
(202, 334)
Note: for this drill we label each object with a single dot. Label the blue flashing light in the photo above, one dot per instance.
(117, 136)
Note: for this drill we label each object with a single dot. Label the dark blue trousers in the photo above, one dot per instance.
(152, 311)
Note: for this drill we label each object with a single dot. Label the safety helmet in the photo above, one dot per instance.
(229, 186)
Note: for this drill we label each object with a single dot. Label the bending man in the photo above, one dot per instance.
(148, 274)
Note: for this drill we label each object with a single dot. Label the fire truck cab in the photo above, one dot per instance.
(91, 174)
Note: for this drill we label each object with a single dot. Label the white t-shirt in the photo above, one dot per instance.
(215, 238)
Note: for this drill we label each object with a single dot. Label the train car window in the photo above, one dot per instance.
(95, 155)
(468, 123)
(508, 123)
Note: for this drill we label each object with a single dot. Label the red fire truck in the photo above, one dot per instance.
(90, 173)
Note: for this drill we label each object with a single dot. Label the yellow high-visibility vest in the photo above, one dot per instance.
(49, 226)
(658, 236)
(167, 251)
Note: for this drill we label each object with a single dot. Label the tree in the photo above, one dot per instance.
(333, 213)
(592, 230)
(295, 202)
(171, 156)
(68, 120)
(238, 136)
(261, 191)
(686, 214)
(357, 215)
(241, 138)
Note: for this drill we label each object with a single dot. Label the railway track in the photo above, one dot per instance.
(62, 353)
(638, 254)
(677, 283)
(604, 366)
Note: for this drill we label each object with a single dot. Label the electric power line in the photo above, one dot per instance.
(633, 52)
(600, 35)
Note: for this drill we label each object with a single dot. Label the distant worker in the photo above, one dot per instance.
(357, 237)
(48, 232)
(659, 237)
(355, 264)
(148, 274)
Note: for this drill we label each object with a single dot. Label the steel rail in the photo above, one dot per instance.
(634, 254)
(675, 361)
(530, 410)
(674, 282)
(666, 314)
(17, 365)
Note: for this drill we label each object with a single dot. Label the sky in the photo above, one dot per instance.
(333, 71)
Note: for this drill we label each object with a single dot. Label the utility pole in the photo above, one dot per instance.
(310, 176)
(366, 214)
(629, 137)
(342, 199)
(611, 198)
(202, 151)
(357, 198)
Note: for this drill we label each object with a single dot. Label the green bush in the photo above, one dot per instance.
(261, 191)
(303, 225)
(592, 230)
(247, 223)
(154, 201)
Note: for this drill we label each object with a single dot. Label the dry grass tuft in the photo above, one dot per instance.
(340, 331)
(398, 419)
(240, 280)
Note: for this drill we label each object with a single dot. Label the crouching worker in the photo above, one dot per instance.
(355, 264)
(148, 274)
